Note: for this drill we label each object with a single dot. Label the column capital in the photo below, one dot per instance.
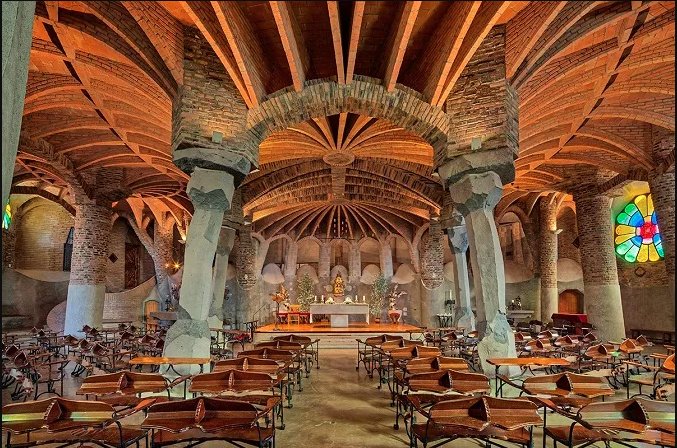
(475, 191)
(210, 189)
(458, 239)
(500, 161)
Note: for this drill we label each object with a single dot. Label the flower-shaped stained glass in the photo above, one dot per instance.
(7, 217)
(637, 236)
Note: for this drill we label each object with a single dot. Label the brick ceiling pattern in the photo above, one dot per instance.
(594, 79)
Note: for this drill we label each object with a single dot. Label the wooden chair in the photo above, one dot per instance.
(481, 418)
(367, 351)
(656, 378)
(626, 422)
(291, 366)
(293, 316)
(310, 346)
(205, 419)
(70, 422)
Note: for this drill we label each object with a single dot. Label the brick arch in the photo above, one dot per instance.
(363, 96)
(19, 189)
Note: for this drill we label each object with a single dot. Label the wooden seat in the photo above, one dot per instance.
(568, 389)
(655, 378)
(449, 381)
(293, 316)
(209, 419)
(483, 418)
(127, 383)
(249, 364)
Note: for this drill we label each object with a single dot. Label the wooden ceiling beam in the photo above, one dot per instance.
(358, 13)
(292, 42)
(399, 38)
(335, 24)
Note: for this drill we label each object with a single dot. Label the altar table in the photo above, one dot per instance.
(339, 312)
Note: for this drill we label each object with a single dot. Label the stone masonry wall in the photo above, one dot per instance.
(565, 240)
(115, 271)
(596, 235)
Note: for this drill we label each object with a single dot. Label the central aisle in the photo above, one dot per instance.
(340, 407)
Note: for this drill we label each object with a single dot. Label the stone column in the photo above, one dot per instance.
(458, 243)
(386, 259)
(600, 275)
(324, 267)
(211, 193)
(163, 243)
(355, 265)
(87, 285)
(290, 262)
(475, 195)
(548, 258)
(223, 249)
(17, 35)
(518, 253)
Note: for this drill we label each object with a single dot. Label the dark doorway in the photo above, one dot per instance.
(132, 264)
(571, 302)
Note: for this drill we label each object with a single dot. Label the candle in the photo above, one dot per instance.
(364, 299)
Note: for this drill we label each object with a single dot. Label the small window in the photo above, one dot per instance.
(68, 250)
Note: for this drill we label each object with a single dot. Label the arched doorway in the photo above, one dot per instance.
(150, 306)
(571, 302)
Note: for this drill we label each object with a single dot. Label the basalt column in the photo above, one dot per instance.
(211, 143)
(475, 196)
(355, 266)
(386, 259)
(87, 285)
(324, 264)
(548, 258)
(600, 275)
(662, 185)
(458, 243)
(17, 35)
(163, 241)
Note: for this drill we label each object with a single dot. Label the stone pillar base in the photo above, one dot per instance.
(605, 312)
(463, 318)
(187, 338)
(83, 307)
(549, 303)
(498, 342)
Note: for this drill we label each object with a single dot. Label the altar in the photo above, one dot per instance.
(338, 312)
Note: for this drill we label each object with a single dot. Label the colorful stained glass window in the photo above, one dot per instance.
(7, 217)
(637, 236)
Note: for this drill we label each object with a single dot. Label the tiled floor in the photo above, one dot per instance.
(339, 407)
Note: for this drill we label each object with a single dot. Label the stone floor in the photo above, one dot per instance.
(338, 407)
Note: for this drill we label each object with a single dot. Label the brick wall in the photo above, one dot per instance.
(432, 256)
(40, 235)
(115, 272)
(663, 194)
(482, 103)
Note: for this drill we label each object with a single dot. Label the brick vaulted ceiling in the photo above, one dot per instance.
(594, 80)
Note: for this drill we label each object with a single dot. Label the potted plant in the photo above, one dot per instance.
(377, 297)
(305, 292)
(394, 313)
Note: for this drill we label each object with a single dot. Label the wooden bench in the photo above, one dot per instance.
(68, 422)
(658, 336)
(629, 422)
(481, 418)
(205, 419)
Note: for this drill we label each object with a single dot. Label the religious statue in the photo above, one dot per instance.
(280, 296)
(338, 285)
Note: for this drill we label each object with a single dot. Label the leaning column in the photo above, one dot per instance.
(548, 258)
(603, 303)
(458, 243)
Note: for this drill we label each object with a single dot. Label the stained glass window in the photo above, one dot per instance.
(637, 236)
(7, 217)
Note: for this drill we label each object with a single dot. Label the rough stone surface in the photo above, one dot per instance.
(600, 275)
(17, 33)
(386, 260)
(458, 242)
(548, 257)
(223, 249)
(210, 189)
(188, 338)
